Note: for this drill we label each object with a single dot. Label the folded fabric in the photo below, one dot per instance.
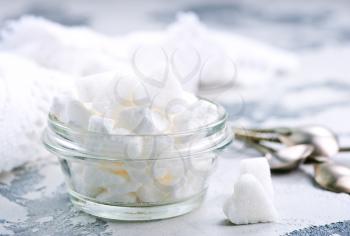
(26, 91)
(73, 50)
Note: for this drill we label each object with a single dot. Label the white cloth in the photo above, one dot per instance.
(25, 95)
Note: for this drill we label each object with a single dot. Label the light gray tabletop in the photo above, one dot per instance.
(33, 200)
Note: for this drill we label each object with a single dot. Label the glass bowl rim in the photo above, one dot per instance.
(57, 130)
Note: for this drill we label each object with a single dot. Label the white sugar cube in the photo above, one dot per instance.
(150, 193)
(77, 114)
(206, 111)
(120, 91)
(58, 108)
(127, 187)
(183, 121)
(130, 146)
(94, 179)
(112, 181)
(89, 87)
(119, 192)
(197, 115)
(70, 111)
(259, 167)
(133, 149)
(101, 124)
(157, 147)
(169, 174)
(121, 142)
(131, 118)
(141, 120)
(139, 170)
(250, 202)
(120, 131)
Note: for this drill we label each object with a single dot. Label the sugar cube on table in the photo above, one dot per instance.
(250, 203)
(259, 167)
(252, 199)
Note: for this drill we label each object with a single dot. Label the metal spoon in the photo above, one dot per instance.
(333, 177)
(323, 140)
(284, 159)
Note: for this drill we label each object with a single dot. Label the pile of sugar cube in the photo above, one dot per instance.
(121, 103)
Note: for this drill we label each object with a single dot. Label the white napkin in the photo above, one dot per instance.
(40, 54)
(26, 91)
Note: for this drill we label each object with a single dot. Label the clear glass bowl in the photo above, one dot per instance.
(137, 177)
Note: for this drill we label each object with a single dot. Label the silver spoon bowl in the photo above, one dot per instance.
(289, 158)
(285, 159)
(323, 140)
(333, 177)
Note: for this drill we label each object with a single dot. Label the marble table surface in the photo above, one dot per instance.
(33, 199)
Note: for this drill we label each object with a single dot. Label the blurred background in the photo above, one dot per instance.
(295, 25)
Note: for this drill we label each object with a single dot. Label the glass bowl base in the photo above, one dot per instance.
(132, 213)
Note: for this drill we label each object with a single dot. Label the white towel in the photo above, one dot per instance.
(25, 95)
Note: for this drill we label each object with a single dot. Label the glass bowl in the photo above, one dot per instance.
(137, 177)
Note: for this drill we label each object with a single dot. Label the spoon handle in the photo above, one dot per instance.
(276, 130)
(255, 136)
(344, 149)
(258, 146)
